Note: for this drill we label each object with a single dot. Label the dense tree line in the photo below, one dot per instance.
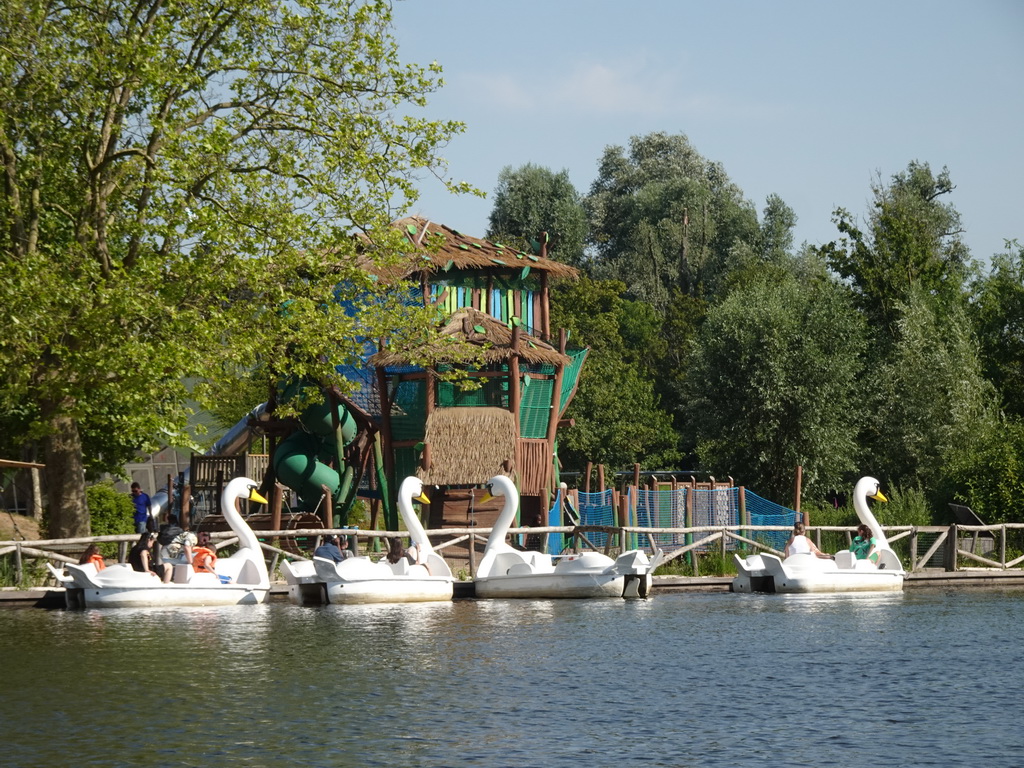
(720, 345)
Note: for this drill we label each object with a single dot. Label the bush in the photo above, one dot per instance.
(110, 513)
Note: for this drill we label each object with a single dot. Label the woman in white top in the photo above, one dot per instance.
(799, 544)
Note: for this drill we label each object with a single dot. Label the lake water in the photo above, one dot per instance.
(927, 677)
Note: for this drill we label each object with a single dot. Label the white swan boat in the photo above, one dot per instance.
(508, 572)
(362, 580)
(804, 573)
(240, 578)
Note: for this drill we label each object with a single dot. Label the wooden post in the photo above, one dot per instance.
(37, 495)
(515, 394)
(328, 513)
(796, 503)
(600, 478)
(545, 308)
(17, 564)
(951, 547)
(913, 549)
(276, 502)
(586, 477)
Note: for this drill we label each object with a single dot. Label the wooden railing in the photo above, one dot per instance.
(700, 539)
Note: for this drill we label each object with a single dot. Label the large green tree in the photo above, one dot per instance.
(182, 181)
(531, 203)
(773, 385)
(618, 418)
(998, 311)
(911, 239)
(664, 218)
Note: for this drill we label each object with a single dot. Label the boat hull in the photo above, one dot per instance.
(806, 574)
(583, 585)
(170, 595)
(393, 590)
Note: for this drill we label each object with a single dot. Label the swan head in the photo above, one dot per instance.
(255, 495)
(871, 489)
(412, 488)
(499, 485)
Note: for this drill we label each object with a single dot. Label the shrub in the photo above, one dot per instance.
(110, 513)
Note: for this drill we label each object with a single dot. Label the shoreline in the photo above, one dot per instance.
(979, 578)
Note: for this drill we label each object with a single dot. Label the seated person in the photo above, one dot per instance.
(799, 544)
(141, 558)
(329, 550)
(92, 555)
(168, 532)
(204, 554)
(863, 543)
(395, 550)
(346, 553)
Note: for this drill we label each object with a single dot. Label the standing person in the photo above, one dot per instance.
(165, 538)
(799, 544)
(141, 501)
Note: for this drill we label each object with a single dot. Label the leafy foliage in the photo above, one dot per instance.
(617, 413)
(531, 201)
(662, 217)
(182, 185)
(773, 386)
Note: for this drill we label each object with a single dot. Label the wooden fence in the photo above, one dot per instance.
(918, 545)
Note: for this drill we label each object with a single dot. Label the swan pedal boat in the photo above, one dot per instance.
(808, 573)
(359, 579)
(506, 572)
(241, 578)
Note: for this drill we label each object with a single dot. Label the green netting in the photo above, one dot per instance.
(571, 375)
(493, 392)
(535, 407)
(406, 462)
(408, 411)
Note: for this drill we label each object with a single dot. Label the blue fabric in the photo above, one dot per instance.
(329, 552)
(141, 510)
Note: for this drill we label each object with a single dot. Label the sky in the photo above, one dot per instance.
(811, 101)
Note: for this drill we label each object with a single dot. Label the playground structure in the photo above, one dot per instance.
(407, 420)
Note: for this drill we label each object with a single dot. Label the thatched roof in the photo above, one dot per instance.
(460, 251)
(481, 330)
(469, 446)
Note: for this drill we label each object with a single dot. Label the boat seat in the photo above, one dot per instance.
(520, 569)
(846, 559)
(182, 573)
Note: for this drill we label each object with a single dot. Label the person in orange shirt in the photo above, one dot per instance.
(92, 555)
(204, 554)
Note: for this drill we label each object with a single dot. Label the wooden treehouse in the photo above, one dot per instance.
(496, 299)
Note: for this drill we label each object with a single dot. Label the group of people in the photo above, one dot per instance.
(157, 552)
(864, 545)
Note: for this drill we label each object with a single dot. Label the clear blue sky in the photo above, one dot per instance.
(805, 99)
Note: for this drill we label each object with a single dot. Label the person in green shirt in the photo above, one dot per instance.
(862, 542)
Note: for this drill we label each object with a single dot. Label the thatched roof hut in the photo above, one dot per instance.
(469, 446)
(464, 252)
(496, 342)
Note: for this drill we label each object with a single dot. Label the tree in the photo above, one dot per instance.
(618, 418)
(930, 403)
(998, 312)
(181, 185)
(912, 240)
(531, 201)
(773, 385)
(662, 218)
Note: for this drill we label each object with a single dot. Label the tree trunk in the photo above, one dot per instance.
(65, 480)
